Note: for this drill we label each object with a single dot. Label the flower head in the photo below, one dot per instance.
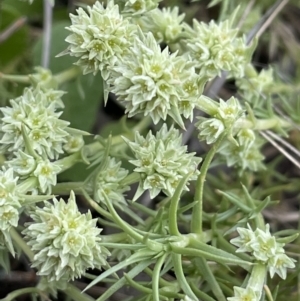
(165, 24)
(35, 113)
(215, 47)
(65, 242)
(265, 249)
(245, 294)
(108, 180)
(155, 82)
(210, 129)
(99, 37)
(162, 161)
(137, 7)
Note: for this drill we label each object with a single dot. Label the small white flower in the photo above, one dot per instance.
(23, 164)
(210, 129)
(245, 294)
(279, 263)
(229, 111)
(74, 143)
(46, 172)
(244, 240)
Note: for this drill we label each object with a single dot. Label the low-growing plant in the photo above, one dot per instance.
(177, 196)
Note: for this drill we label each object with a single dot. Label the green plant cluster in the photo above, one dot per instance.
(191, 223)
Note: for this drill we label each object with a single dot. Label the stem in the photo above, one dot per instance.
(258, 278)
(73, 292)
(67, 75)
(261, 124)
(173, 210)
(123, 225)
(155, 278)
(21, 243)
(204, 269)
(176, 259)
(65, 188)
(20, 292)
(196, 224)
(22, 79)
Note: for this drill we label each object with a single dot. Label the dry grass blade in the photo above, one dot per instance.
(268, 137)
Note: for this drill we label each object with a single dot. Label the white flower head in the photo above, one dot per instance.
(229, 111)
(64, 241)
(162, 161)
(210, 129)
(10, 205)
(165, 24)
(23, 164)
(215, 47)
(107, 183)
(279, 263)
(155, 83)
(137, 7)
(245, 294)
(99, 37)
(35, 113)
(244, 240)
(73, 144)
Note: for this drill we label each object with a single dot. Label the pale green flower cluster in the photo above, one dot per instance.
(255, 84)
(99, 37)
(137, 7)
(107, 182)
(25, 166)
(155, 83)
(264, 247)
(243, 294)
(245, 154)
(166, 24)
(43, 79)
(10, 205)
(64, 241)
(216, 47)
(226, 115)
(73, 144)
(35, 113)
(162, 161)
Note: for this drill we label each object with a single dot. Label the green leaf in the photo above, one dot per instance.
(82, 113)
(143, 255)
(30, 10)
(17, 43)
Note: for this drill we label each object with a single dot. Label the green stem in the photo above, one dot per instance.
(176, 259)
(95, 206)
(156, 276)
(20, 292)
(204, 269)
(173, 210)
(65, 188)
(76, 295)
(21, 243)
(123, 225)
(258, 278)
(196, 224)
(67, 75)
(22, 79)
(261, 124)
